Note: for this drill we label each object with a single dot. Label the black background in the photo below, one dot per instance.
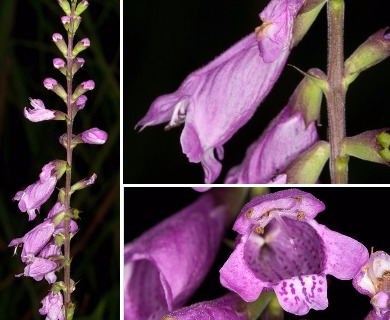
(358, 212)
(166, 40)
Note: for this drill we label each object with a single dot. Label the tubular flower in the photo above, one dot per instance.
(228, 307)
(52, 306)
(373, 280)
(215, 101)
(282, 248)
(37, 193)
(165, 265)
(285, 138)
(34, 240)
(39, 268)
(38, 111)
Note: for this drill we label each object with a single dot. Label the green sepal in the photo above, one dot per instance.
(81, 7)
(316, 75)
(374, 50)
(70, 311)
(61, 195)
(307, 167)
(255, 309)
(58, 218)
(58, 286)
(305, 18)
(371, 146)
(64, 4)
(307, 97)
(59, 239)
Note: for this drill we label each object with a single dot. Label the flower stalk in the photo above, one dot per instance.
(335, 95)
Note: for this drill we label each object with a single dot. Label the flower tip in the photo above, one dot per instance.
(50, 83)
(65, 19)
(94, 136)
(88, 85)
(56, 37)
(58, 63)
(86, 42)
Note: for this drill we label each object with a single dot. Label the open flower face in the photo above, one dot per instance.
(281, 247)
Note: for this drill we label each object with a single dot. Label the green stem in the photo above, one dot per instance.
(336, 93)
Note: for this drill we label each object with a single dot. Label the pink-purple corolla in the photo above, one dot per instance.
(165, 265)
(227, 307)
(52, 306)
(373, 280)
(36, 194)
(38, 112)
(215, 101)
(94, 136)
(286, 137)
(281, 247)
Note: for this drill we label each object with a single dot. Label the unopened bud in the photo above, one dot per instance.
(60, 43)
(83, 184)
(368, 146)
(64, 4)
(77, 64)
(80, 46)
(83, 88)
(374, 50)
(81, 7)
(53, 85)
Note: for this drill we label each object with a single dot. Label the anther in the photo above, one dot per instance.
(249, 213)
(301, 215)
(259, 230)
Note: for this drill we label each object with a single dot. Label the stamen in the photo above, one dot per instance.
(179, 114)
(285, 228)
(249, 213)
(301, 215)
(386, 281)
(259, 230)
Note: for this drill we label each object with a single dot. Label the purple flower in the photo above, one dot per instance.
(38, 111)
(218, 99)
(281, 247)
(52, 306)
(373, 280)
(34, 240)
(37, 194)
(58, 63)
(285, 138)
(39, 268)
(228, 307)
(166, 264)
(94, 136)
(275, 34)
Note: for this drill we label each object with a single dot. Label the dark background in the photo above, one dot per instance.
(26, 54)
(360, 213)
(166, 40)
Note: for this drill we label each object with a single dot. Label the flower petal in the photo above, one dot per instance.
(300, 294)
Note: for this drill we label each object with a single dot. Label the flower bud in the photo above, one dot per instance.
(60, 43)
(80, 46)
(367, 146)
(53, 85)
(83, 88)
(94, 136)
(81, 7)
(375, 49)
(80, 102)
(64, 4)
(83, 183)
(60, 64)
(77, 64)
